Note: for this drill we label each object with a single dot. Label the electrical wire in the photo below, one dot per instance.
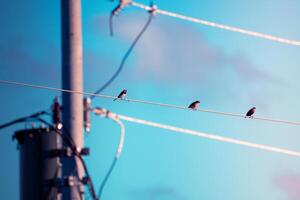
(210, 136)
(23, 119)
(117, 154)
(122, 4)
(111, 26)
(126, 55)
(277, 121)
(220, 26)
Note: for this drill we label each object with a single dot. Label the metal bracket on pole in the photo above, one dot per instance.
(68, 181)
(66, 152)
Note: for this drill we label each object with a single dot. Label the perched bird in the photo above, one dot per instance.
(121, 95)
(194, 105)
(250, 112)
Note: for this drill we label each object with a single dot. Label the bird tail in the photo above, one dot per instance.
(115, 99)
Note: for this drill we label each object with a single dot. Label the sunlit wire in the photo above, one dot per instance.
(210, 136)
(220, 26)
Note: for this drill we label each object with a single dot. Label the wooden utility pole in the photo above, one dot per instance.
(72, 103)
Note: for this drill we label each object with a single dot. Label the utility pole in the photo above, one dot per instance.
(72, 103)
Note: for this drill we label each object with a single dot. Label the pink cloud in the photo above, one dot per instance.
(289, 184)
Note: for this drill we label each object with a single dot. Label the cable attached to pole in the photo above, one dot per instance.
(152, 12)
(211, 136)
(105, 113)
(201, 134)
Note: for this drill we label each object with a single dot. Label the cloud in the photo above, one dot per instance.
(29, 60)
(246, 70)
(289, 184)
(156, 193)
(174, 54)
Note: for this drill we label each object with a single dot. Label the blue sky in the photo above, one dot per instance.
(175, 62)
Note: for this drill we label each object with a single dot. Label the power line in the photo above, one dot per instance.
(220, 26)
(150, 103)
(210, 136)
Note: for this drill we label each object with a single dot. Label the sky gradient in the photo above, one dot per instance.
(175, 62)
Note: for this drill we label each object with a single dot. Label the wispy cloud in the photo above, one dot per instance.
(156, 192)
(169, 51)
(290, 184)
(175, 54)
(30, 60)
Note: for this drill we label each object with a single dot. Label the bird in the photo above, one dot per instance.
(194, 105)
(121, 95)
(250, 112)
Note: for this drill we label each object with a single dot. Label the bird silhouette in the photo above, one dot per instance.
(194, 105)
(250, 112)
(121, 95)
